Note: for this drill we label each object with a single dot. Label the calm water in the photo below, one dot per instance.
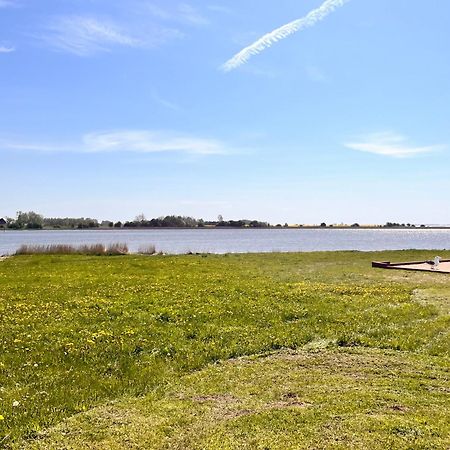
(238, 241)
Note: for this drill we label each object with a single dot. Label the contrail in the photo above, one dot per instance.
(283, 32)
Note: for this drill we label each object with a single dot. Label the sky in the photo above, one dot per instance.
(109, 109)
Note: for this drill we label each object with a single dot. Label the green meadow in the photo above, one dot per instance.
(255, 351)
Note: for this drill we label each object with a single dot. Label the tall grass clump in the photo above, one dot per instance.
(53, 249)
(149, 249)
(63, 249)
(117, 249)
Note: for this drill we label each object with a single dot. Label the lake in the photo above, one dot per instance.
(237, 240)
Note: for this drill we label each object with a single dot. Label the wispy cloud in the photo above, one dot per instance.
(190, 15)
(220, 9)
(87, 35)
(135, 141)
(4, 49)
(151, 142)
(390, 144)
(7, 4)
(181, 13)
(282, 33)
(166, 103)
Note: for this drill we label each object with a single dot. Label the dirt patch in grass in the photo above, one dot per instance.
(434, 297)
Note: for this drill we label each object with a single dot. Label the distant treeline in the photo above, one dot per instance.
(34, 221)
(402, 225)
(190, 222)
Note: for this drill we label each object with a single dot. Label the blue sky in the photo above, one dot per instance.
(111, 108)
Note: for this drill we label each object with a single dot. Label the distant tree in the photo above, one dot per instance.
(190, 222)
(118, 224)
(323, 224)
(232, 223)
(220, 218)
(70, 222)
(155, 223)
(21, 220)
(392, 225)
(129, 224)
(30, 220)
(11, 223)
(140, 218)
(355, 225)
(257, 224)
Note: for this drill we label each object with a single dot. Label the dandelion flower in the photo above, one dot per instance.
(1, 417)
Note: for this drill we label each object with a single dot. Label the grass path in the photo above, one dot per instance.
(104, 352)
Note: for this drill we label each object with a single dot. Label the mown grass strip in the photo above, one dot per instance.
(334, 398)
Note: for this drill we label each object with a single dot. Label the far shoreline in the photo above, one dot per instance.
(306, 227)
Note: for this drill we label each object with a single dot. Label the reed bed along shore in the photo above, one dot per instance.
(114, 249)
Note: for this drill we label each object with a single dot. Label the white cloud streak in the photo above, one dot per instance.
(283, 32)
(390, 144)
(4, 49)
(151, 142)
(133, 141)
(84, 36)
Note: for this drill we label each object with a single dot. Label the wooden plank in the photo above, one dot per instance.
(417, 266)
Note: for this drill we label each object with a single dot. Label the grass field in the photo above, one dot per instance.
(265, 351)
